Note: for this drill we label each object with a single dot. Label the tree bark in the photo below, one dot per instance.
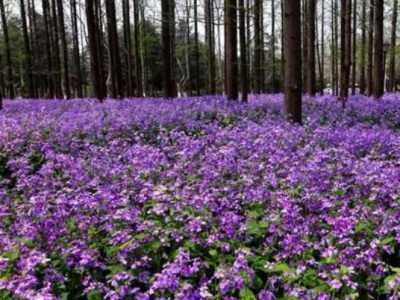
(128, 48)
(56, 51)
(67, 87)
(138, 61)
(311, 89)
(392, 75)
(168, 22)
(293, 62)
(370, 48)
(258, 47)
(96, 67)
(363, 47)
(345, 49)
(10, 80)
(243, 50)
(196, 48)
(31, 91)
(75, 41)
(378, 50)
(231, 50)
(273, 49)
(210, 46)
(354, 54)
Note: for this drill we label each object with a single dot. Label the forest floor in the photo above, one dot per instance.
(199, 199)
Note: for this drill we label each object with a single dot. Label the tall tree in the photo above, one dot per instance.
(96, 61)
(243, 50)
(231, 56)
(168, 7)
(345, 49)
(113, 50)
(370, 48)
(311, 6)
(304, 23)
(10, 79)
(49, 60)
(273, 49)
(258, 48)
(196, 47)
(354, 49)
(127, 47)
(28, 66)
(61, 24)
(56, 51)
(392, 82)
(76, 52)
(293, 62)
(138, 57)
(210, 45)
(363, 46)
(378, 78)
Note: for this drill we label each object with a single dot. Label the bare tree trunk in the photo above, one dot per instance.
(168, 47)
(311, 90)
(231, 50)
(56, 51)
(370, 48)
(128, 48)
(354, 54)
(96, 60)
(75, 41)
(292, 36)
(67, 87)
(10, 80)
(363, 47)
(392, 75)
(322, 67)
(258, 47)
(378, 50)
(345, 50)
(210, 46)
(304, 42)
(31, 92)
(273, 48)
(138, 61)
(243, 51)
(196, 48)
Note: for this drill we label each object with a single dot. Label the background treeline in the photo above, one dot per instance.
(125, 48)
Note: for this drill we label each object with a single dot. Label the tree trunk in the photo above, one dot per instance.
(370, 48)
(304, 22)
(345, 49)
(56, 52)
(231, 50)
(31, 92)
(273, 49)
(168, 23)
(96, 66)
(127, 48)
(75, 41)
(293, 62)
(67, 87)
(210, 46)
(354, 54)
(392, 75)
(322, 67)
(378, 50)
(196, 48)
(258, 47)
(311, 90)
(10, 80)
(113, 45)
(138, 61)
(243, 50)
(363, 47)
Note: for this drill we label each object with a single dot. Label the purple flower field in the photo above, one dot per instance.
(199, 199)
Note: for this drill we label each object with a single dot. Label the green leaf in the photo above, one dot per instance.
(247, 294)
(387, 240)
(213, 253)
(94, 295)
(282, 267)
(360, 227)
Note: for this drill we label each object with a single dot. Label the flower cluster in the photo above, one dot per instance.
(199, 199)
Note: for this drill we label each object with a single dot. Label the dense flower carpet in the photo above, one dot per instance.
(199, 199)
